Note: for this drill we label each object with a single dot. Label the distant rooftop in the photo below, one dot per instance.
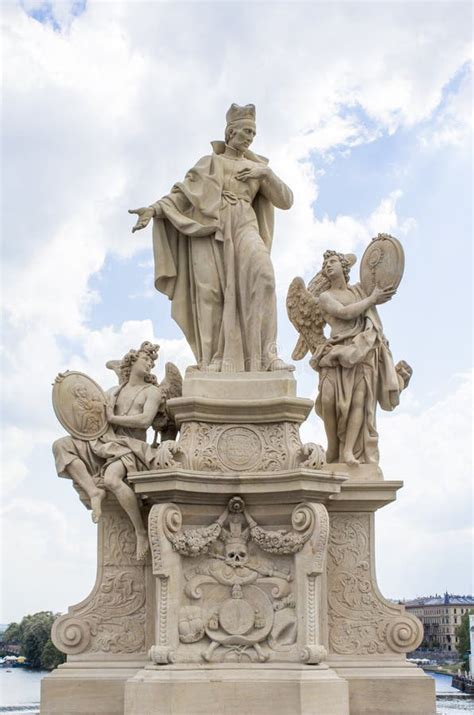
(449, 599)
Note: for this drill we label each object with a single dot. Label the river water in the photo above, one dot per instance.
(20, 693)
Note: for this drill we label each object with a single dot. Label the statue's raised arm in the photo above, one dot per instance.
(212, 236)
(354, 363)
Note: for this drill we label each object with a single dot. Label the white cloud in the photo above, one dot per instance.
(17, 447)
(452, 126)
(345, 233)
(428, 531)
(57, 553)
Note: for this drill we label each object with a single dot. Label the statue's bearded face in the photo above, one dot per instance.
(242, 135)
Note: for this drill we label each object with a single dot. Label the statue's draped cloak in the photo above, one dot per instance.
(359, 354)
(200, 208)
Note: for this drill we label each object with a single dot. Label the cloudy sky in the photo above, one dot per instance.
(363, 109)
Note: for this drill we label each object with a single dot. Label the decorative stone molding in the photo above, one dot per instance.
(361, 621)
(286, 542)
(112, 619)
(229, 601)
(313, 654)
(270, 447)
(404, 633)
(160, 656)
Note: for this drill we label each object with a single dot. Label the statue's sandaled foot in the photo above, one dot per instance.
(278, 364)
(349, 459)
(215, 366)
(96, 505)
(142, 546)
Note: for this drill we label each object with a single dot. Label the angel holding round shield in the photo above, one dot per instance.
(355, 365)
(99, 454)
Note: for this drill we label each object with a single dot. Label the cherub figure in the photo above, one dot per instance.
(132, 408)
(355, 365)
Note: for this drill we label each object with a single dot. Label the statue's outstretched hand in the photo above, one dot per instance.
(382, 295)
(404, 372)
(144, 217)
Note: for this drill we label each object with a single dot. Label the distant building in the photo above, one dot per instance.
(440, 615)
(471, 640)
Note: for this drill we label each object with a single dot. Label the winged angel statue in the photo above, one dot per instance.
(108, 430)
(355, 365)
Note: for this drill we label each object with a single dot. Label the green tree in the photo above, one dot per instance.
(33, 635)
(51, 657)
(12, 634)
(464, 642)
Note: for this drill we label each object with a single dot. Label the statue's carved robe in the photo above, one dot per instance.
(358, 353)
(212, 260)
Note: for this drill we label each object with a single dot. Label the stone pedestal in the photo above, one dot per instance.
(259, 594)
(263, 690)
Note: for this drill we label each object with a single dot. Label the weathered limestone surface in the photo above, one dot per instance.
(260, 585)
(235, 563)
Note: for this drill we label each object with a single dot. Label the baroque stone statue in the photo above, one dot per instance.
(212, 236)
(108, 431)
(355, 365)
(233, 566)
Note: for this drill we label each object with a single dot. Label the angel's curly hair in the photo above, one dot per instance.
(346, 266)
(150, 350)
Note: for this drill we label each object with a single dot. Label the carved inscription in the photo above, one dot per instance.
(239, 448)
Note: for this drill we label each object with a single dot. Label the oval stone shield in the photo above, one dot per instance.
(382, 263)
(79, 404)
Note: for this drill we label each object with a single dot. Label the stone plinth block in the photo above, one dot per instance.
(262, 690)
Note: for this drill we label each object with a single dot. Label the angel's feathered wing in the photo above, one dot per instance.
(115, 366)
(302, 305)
(171, 386)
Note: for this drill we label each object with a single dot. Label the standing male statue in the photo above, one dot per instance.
(212, 236)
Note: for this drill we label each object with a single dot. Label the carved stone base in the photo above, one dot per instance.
(87, 688)
(233, 691)
(384, 688)
(261, 594)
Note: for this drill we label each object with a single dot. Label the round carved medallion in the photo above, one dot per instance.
(79, 404)
(236, 616)
(382, 263)
(239, 448)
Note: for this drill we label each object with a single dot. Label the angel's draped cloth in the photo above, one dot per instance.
(212, 259)
(360, 352)
(126, 444)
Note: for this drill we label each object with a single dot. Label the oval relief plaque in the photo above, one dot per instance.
(239, 448)
(79, 404)
(382, 264)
